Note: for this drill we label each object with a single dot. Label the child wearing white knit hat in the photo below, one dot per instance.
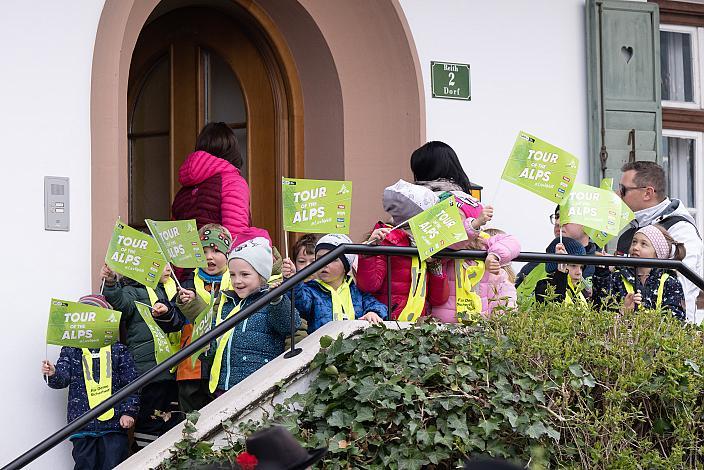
(334, 295)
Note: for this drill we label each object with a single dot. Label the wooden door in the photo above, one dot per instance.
(190, 67)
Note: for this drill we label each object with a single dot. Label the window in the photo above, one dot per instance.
(679, 66)
(684, 169)
(683, 116)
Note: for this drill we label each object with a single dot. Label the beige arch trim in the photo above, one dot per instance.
(378, 129)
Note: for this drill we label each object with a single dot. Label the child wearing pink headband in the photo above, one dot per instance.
(652, 288)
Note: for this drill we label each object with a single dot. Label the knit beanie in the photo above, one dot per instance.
(257, 252)
(663, 248)
(95, 301)
(332, 241)
(216, 237)
(404, 200)
(572, 246)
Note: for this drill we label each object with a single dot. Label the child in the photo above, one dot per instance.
(304, 252)
(258, 339)
(102, 443)
(415, 285)
(645, 287)
(162, 392)
(566, 279)
(334, 295)
(470, 281)
(204, 284)
(499, 289)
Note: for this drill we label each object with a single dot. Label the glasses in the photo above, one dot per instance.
(554, 218)
(624, 189)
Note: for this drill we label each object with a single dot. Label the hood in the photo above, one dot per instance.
(667, 208)
(200, 165)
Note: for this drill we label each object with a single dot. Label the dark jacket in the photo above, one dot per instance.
(139, 338)
(607, 283)
(254, 342)
(315, 304)
(69, 373)
(560, 286)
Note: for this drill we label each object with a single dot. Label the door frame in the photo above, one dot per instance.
(180, 35)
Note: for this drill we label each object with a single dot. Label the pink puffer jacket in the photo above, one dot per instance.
(492, 287)
(224, 199)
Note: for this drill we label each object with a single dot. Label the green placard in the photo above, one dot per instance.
(179, 241)
(437, 228)
(592, 207)
(81, 326)
(449, 80)
(602, 238)
(541, 168)
(316, 206)
(201, 325)
(162, 346)
(135, 255)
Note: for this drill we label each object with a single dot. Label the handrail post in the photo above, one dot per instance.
(388, 286)
(294, 351)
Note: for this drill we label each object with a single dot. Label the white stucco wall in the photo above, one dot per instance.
(47, 50)
(528, 72)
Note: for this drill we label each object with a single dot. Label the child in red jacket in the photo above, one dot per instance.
(415, 285)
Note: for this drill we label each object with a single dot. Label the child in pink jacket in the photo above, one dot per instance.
(493, 288)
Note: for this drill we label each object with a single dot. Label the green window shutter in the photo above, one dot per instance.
(623, 57)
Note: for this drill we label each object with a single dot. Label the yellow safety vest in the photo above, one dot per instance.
(99, 390)
(342, 306)
(170, 288)
(225, 284)
(467, 302)
(416, 295)
(572, 290)
(661, 288)
(222, 342)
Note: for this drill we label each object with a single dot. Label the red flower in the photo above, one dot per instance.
(247, 461)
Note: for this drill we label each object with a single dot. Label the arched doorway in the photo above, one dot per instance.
(334, 61)
(192, 66)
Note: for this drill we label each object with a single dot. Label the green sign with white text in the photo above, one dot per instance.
(437, 228)
(81, 326)
(316, 206)
(179, 241)
(162, 347)
(450, 81)
(592, 207)
(135, 255)
(541, 168)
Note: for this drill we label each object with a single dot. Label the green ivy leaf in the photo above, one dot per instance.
(325, 341)
(536, 430)
(489, 426)
(576, 370)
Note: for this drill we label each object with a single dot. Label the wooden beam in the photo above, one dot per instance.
(683, 119)
(681, 13)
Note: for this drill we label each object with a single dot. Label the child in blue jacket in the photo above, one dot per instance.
(334, 295)
(253, 342)
(102, 443)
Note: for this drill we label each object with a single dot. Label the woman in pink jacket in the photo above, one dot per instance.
(477, 288)
(214, 191)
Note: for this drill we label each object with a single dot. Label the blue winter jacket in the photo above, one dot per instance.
(254, 341)
(69, 373)
(315, 304)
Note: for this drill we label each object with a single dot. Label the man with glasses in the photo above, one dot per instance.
(642, 188)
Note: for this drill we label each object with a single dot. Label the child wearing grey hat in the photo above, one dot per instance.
(333, 295)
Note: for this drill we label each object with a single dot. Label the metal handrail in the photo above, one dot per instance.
(388, 251)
